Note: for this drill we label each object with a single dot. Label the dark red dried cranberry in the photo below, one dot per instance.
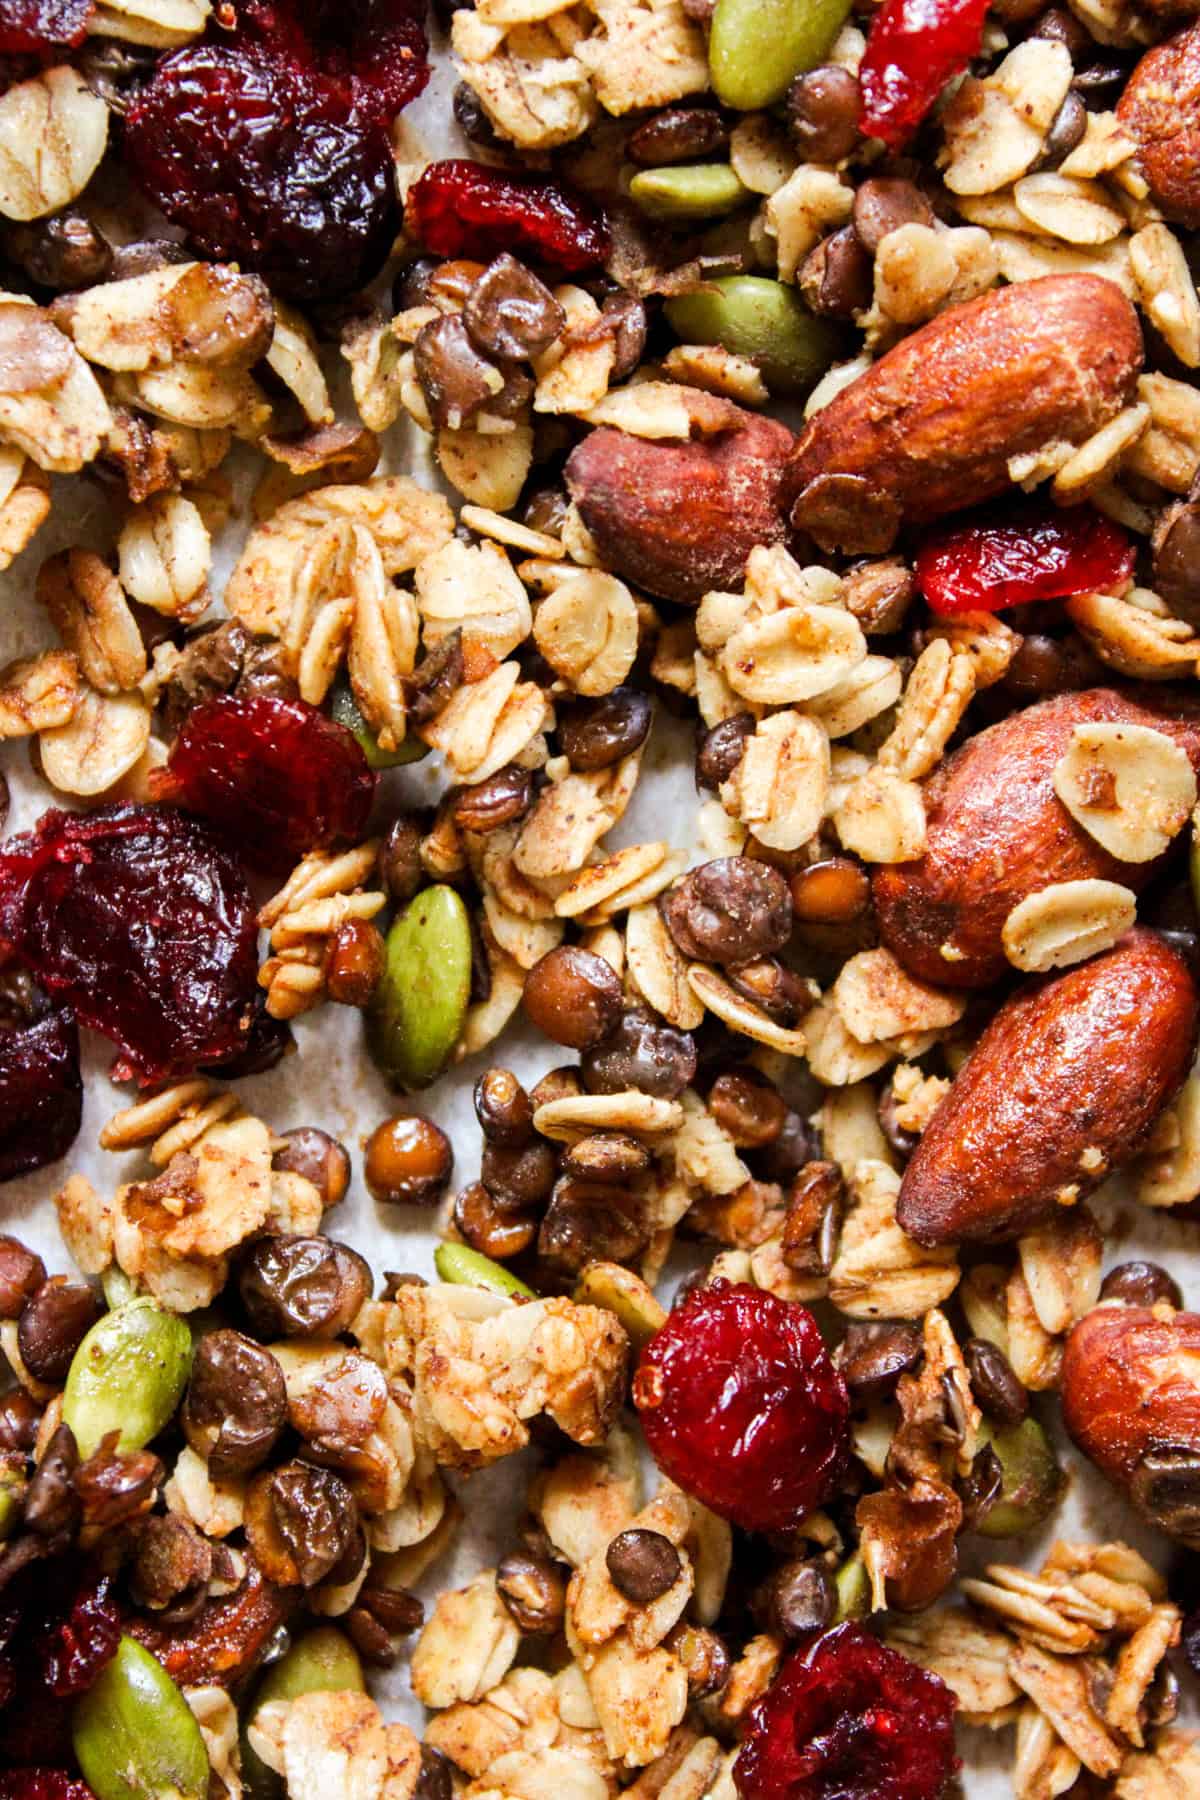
(277, 775)
(42, 1784)
(35, 27)
(914, 47)
(142, 921)
(461, 208)
(74, 1651)
(848, 1719)
(271, 145)
(41, 1093)
(982, 567)
(742, 1407)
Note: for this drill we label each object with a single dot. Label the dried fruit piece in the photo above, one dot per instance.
(1047, 556)
(460, 208)
(1061, 1089)
(270, 145)
(742, 1406)
(42, 1784)
(277, 775)
(37, 27)
(931, 427)
(141, 920)
(41, 1093)
(847, 1718)
(75, 1648)
(913, 49)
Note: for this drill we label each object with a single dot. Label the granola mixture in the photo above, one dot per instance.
(815, 377)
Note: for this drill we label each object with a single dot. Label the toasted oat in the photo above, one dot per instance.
(879, 1272)
(1129, 786)
(1066, 923)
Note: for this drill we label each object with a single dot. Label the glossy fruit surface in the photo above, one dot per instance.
(141, 920)
(914, 47)
(461, 208)
(39, 27)
(742, 1407)
(270, 144)
(848, 1719)
(41, 1092)
(983, 567)
(276, 775)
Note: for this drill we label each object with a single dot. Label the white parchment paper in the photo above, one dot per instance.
(330, 1081)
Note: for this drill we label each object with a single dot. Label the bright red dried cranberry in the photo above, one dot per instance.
(271, 146)
(461, 208)
(277, 775)
(983, 567)
(139, 918)
(74, 1650)
(742, 1407)
(41, 1093)
(913, 49)
(848, 1719)
(42, 1784)
(37, 27)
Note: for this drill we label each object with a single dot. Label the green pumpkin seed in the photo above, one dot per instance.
(853, 1586)
(419, 1005)
(459, 1263)
(1032, 1480)
(762, 320)
(625, 1295)
(127, 1376)
(345, 709)
(12, 1497)
(757, 46)
(688, 191)
(323, 1661)
(134, 1734)
(117, 1287)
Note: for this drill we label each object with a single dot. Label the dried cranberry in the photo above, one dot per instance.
(33, 27)
(848, 1719)
(74, 1651)
(461, 208)
(278, 775)
(914, 47)
(271, 145)
(983, 567)
(141, 920)
(41, 1093)
(42, 1784)
(742, 1407)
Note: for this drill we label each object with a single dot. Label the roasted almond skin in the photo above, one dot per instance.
(228, 1638)
(1062, 1088)
(997, 832)
(930, 427)
(1131, 1384)
(678, 520)
(1160, 110)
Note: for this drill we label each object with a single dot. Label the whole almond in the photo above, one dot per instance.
(1160, 111)
(931, 426)
(678, 520)
(1130, 1388)
(997, 832)
(1062, 1088)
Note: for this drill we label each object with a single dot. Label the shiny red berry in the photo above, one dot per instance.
(848, 1719)
(913, 49)
(277, 775)
(141, 920)
(1032, 556)
(742, 1407)
(40, 27)
(42, 1784)
(269, 144)
(461, 208)
(41, 1092)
